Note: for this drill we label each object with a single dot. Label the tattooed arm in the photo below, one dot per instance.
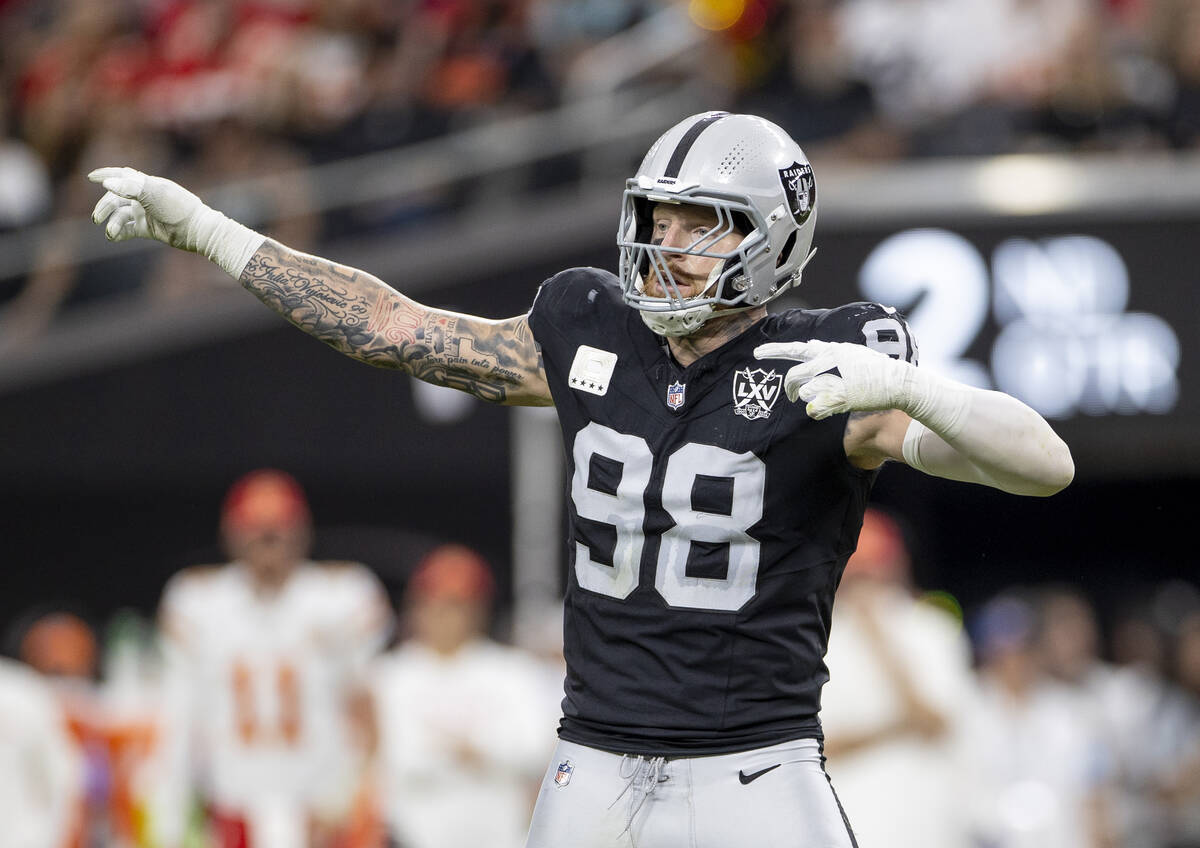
(357, 314)
(347, 309)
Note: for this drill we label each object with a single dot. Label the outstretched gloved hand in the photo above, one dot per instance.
(137, 205)
(865, 380)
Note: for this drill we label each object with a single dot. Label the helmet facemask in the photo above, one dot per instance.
(672, 313)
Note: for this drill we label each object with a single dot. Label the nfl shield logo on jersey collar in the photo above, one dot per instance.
(755, 392)
(675, 393)
(563, 776)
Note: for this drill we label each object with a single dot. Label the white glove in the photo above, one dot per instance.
(137, 205)
(869, 381)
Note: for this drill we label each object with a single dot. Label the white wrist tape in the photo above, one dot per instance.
(223, 240)
(941, 405)
(911, 448)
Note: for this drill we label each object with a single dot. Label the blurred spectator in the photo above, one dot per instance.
(114, 731)
(798, 72)
(1181, 789)
(564, 28)
(900, 681)
(1130, 703)
(960, 75)
(265, 692)
(24, 179)
(40, 773)
(1175, 26)
(62, 647)
(1040, 757)
(57, 278)
(464, 722)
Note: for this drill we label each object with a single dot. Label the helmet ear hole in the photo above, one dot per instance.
(785, 253)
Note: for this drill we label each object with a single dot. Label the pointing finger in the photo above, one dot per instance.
(127, 187)
(799, 351)
(808, 370)
(123, 181)
(101, 174)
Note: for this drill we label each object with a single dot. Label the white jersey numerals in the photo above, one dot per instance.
(888, 336)
(630, 461)
(734, 483)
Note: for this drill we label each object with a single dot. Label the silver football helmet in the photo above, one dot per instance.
(759, 183)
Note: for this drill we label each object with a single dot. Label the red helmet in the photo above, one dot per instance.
(452, 571)
(265, 499)
(881, 553)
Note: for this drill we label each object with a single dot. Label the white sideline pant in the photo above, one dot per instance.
(607, 800)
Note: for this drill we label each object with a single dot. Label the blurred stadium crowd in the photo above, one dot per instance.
(220, 90)
(281, 702)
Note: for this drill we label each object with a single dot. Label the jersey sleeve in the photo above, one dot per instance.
(574, 300)
(182, 612)
(879, 327)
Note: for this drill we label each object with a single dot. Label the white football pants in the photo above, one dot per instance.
(774, 797)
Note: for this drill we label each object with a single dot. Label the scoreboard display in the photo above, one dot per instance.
(1090, 324)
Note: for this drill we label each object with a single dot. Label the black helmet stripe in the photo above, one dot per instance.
(689, 138)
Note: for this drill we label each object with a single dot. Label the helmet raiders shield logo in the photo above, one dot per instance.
(755, 392)
(800, 189)
(563, 776)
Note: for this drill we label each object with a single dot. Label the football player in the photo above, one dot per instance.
(43, 776)
(464, 727)
(265, 678)
(709, 519)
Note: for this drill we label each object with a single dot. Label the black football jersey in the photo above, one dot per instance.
(710, 520)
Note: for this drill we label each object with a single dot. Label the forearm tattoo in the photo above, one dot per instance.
(355, 313)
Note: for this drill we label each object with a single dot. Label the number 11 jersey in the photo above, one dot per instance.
(710, 520)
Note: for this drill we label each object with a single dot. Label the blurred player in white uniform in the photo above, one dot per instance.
(899, 680)
(266, 657)
(41, 771)
(464, 721)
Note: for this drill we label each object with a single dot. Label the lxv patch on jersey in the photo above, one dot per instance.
(592, 370)
(755, 392)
